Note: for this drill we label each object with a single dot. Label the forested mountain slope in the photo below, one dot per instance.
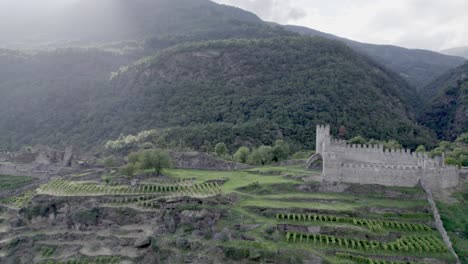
(231, 91)
(258, 91)
(447, 113)
(203, 93)
(44, 96)
(418, 67)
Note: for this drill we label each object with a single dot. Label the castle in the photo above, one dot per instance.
(372, 164)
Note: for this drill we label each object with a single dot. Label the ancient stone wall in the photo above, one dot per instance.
(367, 164)
(203, 161)
(31, 170)
(36, 164)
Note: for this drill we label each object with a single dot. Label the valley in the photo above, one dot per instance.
(193, 131)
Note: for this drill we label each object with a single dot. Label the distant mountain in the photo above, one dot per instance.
(418, 67)
(447, 113)
(460, 51)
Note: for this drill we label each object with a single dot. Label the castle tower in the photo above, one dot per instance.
(322, 138)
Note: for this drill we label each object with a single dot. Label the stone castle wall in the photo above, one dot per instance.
(366, 164)
(38, 164)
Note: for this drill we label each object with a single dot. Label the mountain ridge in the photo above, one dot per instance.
(457, 51)
(419, 67)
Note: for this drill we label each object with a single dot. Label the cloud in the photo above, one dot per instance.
(428, 24)
(280, 11)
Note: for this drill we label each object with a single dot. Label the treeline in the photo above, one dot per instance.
(255, 155)
(262, 155)
(456, 152)
(240, 92)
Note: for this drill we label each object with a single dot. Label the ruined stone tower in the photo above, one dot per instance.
(322, 138)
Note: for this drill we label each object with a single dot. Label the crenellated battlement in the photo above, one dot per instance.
(373, 164)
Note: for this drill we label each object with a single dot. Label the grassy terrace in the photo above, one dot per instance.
(273, 188)
(360, 226)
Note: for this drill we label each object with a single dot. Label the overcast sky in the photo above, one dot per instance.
(426, 24)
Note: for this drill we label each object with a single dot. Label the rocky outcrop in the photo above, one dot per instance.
(203, 161)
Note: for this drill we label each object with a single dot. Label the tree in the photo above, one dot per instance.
(155, 159)
(109, 162)
(221, 149)
(280, 151)
(261, 156)
(342, 132)
(133, 157)
(463, 138)
(374, 142)
(129, 170)
(357, 140)
(453, 161)
(392, 144)
(421, 149)
(242, 155)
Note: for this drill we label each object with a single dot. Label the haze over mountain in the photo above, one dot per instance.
(90, 21)
(459, 51)
(218, 83)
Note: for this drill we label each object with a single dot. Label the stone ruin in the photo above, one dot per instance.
(43, 163)
(372, 164)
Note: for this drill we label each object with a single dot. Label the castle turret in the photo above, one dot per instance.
(322, 138)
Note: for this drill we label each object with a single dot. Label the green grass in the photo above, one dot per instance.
(455, 218)
(297, 170)
(13, 182)
(235, 179)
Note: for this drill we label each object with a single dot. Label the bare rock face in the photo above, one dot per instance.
(198, 160)
(150, 258)
(142, 242)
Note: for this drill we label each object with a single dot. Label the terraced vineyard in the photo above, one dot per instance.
(13, 182)
(60, 187)
(262, 215)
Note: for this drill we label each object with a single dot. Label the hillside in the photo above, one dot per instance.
(44, 95)
(460, 51)
(257, 91)
(417, 67)
(447, 113)
(206, 93)
(63, 96)
(89, 21)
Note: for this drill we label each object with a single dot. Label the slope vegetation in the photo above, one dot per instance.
(417, 67)
(447, 113)
(259, 90)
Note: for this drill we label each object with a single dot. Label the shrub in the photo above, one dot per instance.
(129, 170)
(242, 155)
(109, 162)
(221, 149)
(302, 154)
(261, 156)
(155, 159)
(280, 151)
